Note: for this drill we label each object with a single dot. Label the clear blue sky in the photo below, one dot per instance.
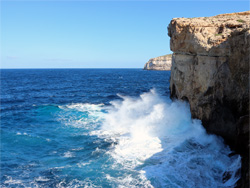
(84, 34)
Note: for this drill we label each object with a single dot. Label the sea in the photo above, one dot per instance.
(105, 128)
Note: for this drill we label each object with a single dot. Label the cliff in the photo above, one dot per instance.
(210, 69)
(159, 63)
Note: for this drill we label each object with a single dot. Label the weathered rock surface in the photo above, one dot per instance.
(210, 69)
(159, 63)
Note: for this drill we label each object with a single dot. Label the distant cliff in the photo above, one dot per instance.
(210, 70)
(159, 63)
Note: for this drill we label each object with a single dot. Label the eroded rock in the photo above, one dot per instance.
(210, 69)
(159, 63)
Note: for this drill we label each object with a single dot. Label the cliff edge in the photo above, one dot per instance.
(159, 63)
(210, 69)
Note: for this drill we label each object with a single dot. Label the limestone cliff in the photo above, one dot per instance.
(210, 69)
(159, 63)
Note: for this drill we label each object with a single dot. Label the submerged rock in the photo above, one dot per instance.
(159, 63)
(210, 69)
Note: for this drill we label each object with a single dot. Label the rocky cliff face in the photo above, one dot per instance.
(159, 63)
(210, 69)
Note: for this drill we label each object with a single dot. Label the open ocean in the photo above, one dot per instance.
(105, 128)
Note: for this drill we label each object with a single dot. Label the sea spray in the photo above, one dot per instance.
(158, 138)
(73, 131)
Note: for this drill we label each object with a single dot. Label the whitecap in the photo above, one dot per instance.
(12, 181)
(41, 179)
(77, 149)
(68, 154)
(89, 115)
(159, 138)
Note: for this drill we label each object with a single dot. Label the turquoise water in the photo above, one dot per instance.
(104, 128)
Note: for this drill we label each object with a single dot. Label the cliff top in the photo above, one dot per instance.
(168, 55)
(231, 20)
(203, 35)
(164, 57)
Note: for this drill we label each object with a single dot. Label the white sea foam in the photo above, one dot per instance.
(41, 179)
(91, 115)
(12, 181)
(81, 164)
(130, 181)
(68, 154)
(84, 107)
(48, 140)
(159, 139)
(156, 142)
(77, 149)
(18, 133)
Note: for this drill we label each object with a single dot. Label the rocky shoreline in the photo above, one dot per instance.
(159, 63)
(210, 70)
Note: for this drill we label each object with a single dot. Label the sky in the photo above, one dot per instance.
(94, 34)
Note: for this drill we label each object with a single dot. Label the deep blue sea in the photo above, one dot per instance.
(105, 128)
